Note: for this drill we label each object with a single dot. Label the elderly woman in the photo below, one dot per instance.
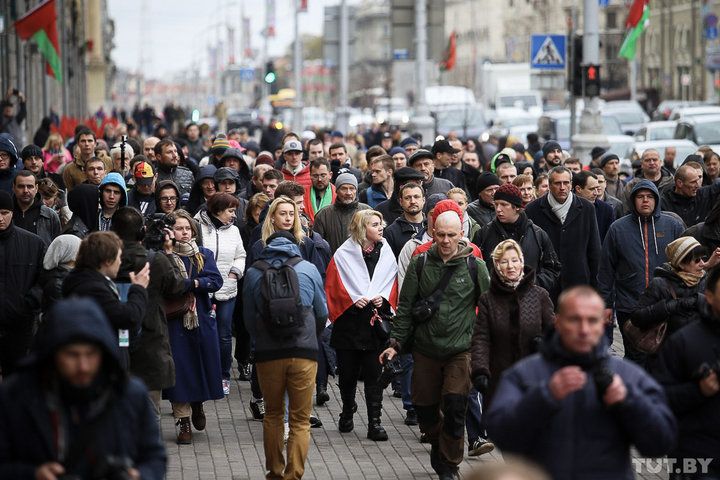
(194, 334)
(360, 284)
(222, 238)
(674, 290)
(512, 317)
(527, 189)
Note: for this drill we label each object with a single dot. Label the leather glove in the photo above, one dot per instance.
(481, 382)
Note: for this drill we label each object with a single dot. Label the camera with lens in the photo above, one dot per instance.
(602, 377)
(424, 309)
(155, 230)
(391, 369)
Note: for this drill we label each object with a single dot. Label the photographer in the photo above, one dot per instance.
(10, 122)
(573, 408)
(689, 368)
(150, 356)
(73, 412)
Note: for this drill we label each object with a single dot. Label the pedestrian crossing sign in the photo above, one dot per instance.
(547, 52)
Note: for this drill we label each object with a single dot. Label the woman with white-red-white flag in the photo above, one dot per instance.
(361, 290)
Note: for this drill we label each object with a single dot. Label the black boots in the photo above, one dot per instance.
(346, 424)
(373, 397)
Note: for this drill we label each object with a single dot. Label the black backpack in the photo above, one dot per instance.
(280, 306)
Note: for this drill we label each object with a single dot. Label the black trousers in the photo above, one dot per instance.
(349, 365)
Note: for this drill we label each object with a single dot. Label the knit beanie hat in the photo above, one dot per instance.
(606, 158)
(220, 144)
(549, 146)
(679, 248)
(6, 201)
(265, 158)
(31, 151)
(346, 178)
(485, 180)
(510, 193)
(446, 206)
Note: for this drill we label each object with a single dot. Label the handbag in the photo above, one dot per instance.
(177, 307)
(647, 341)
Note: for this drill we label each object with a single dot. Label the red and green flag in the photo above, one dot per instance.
(638, 20)
(40, 24)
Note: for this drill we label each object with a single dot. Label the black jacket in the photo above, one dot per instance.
(390, 209)
(657, 303)
(399, 233)
(692, 210)
(454, 175)
(537, 248)
(481, 212)
(605, 216)
(707, 235)
(680, 360)
(576, 241)
(21, 259)
(150, 356)
(51, 282)
(34, 408)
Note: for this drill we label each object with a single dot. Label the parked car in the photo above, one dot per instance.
(666, 107)
(664, 130)
(683, 148)
(702, 130)
(465, 121)
(683, 113)
(515, 121)
(247, 118)
(629, 113)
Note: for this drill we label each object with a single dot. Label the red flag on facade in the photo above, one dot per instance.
(40, 24)
(450, 54)
(635, 13)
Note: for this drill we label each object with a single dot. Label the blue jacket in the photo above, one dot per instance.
(7, 176)
(578, 438)
(605, 216)
(629, 256)
(119, 404)
(312, 297)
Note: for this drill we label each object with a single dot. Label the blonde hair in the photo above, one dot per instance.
(358, 224)
(457, 191)
(268, 228)
(504, 247)
(53, 137)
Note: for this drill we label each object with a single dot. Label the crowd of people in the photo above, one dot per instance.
(484, 281)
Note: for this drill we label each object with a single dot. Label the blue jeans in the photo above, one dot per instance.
(406, 360)
(473, 417)
(224, 315)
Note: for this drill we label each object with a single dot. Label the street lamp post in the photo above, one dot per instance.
(297, 67)
(422, 121)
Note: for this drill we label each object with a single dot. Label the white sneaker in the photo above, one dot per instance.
(226, 387)
(286, 434)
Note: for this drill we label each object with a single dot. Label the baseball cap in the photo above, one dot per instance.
(292, 146)
(443, 146)
(143, 173)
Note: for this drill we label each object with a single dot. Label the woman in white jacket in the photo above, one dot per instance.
(222, 237)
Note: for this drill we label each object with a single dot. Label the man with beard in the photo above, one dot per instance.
(482, 210)
(332, 222)
(444, 154)
(322, 193)
(412, 221)
(424, 162)
(169, 168)
(30, 213)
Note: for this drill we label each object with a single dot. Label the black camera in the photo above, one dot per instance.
(155, 230)
(391, 369)
(424, 309)
(602, 377)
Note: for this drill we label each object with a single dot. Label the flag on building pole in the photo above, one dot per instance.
(40, 24)
(448, 62)
(638, 20)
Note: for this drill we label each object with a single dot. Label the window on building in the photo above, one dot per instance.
(611, 20)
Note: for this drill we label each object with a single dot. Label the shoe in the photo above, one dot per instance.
(480, 446)
(198, 416)
(257, 407)
(424, 438)
(322, 397)
(376, 432)
(346, 424)
(226, 387)
(411, 418)
(286, 432)
(245, 372)
(315, 422)
(397, 394)
(448, 476)
(185, 434)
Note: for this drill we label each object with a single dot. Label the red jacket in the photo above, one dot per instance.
(302, 177)
(309, 211)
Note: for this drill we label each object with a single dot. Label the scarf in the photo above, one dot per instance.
(191, 251)
(690, 279)
(560, 209)
(324, 201)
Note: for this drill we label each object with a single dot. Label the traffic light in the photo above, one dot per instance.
(270, 75)
(575, 69)
(591, 80)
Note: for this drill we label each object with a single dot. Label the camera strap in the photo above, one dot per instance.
(445, 280)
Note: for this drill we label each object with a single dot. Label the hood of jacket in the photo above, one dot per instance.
(464, 250)
(160, 186)
(78, 320)
(645, 185)
(204, 217)
(83, 201)
(114, 178)
(132, 259)
(7, 145)
(278, 250)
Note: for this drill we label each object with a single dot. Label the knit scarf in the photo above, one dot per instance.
(324, 201)
(189, 250)
(560, 209)
(690, 279)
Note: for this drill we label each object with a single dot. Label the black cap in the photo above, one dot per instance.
(549, 146)
(597, 152)
(443, 146)
(485, 180)
(419, 155)
(406, 174)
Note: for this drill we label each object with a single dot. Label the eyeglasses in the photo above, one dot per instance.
(168, 199)
(4, 155)
(316, 176)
